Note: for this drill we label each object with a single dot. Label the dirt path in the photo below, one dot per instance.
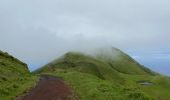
(49, 88)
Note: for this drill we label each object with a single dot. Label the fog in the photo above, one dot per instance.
(38, 31)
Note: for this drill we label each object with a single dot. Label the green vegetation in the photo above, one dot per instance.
(85, 64)
(123, 63)
(14, 77)
(103, 76)
(107, 77)
(90, 87)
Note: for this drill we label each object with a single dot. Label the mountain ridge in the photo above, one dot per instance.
(115, 60)
(100, 76)
(108, 75)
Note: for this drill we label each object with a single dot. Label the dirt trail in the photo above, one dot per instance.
(49, 88)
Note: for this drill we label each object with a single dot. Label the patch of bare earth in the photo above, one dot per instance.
(49, 88)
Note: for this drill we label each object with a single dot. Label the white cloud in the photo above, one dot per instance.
(40, 30)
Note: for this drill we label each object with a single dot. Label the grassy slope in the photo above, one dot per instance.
(92, 78)
(159, 90)
(90, 87)
(85, 64)
(95, 78)
(14, 77)
(122, 62)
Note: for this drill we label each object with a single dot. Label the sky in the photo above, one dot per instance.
(38, 31)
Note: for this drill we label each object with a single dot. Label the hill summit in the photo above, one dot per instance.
(108, 60)
(108, 74)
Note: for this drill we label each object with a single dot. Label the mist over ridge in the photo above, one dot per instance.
(37, 32)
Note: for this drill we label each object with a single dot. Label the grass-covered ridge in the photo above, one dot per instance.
(122, 62)
(15, 77)
(84, 64)
(9, 64)
(109, 76)
(101, 76)
(106, 64)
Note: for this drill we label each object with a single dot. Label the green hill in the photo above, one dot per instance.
(121, 62)
(85, 64)
(105, 64)
(15, 77)
(108, 75)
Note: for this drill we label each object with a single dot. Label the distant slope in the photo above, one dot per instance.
(102, 62)
(14, 76)
(122, 62)
(85, 64)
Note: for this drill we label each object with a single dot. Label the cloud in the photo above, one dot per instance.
(37, 31)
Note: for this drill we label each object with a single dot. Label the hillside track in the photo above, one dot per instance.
(49, 88)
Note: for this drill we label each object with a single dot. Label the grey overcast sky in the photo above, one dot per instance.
(37, 31)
